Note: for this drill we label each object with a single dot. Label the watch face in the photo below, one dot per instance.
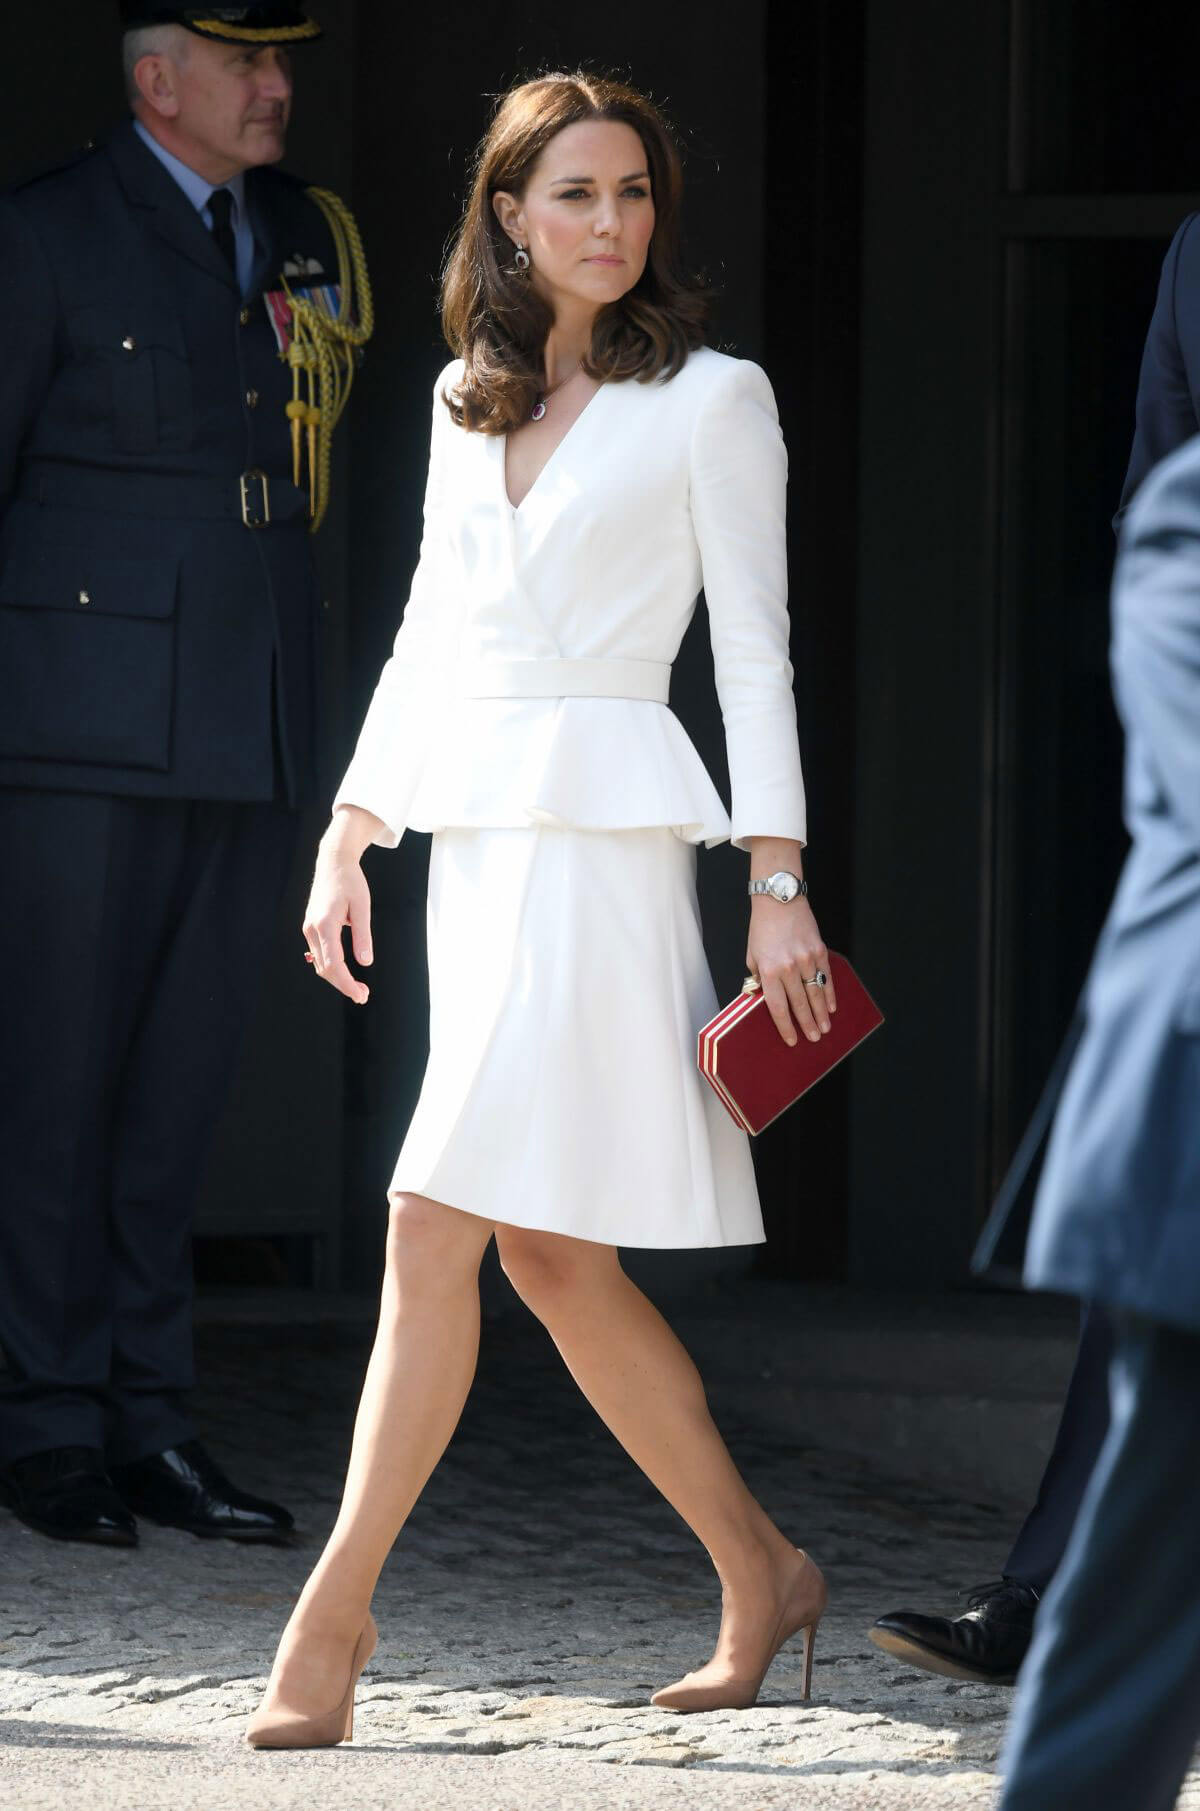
(784, 886)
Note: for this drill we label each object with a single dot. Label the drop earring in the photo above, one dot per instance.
(521, 261)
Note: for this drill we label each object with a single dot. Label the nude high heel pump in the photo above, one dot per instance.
(290, 1729)
(800, 1615)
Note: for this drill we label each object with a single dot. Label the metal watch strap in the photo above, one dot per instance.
(757, 887)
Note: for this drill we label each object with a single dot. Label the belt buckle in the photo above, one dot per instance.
(256, 509)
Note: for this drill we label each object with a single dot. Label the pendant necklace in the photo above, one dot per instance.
(539, 407)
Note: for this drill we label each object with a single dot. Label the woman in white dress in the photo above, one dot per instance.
(592, 465)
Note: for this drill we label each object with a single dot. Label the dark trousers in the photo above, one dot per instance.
(138, 933)
(1108, 1707)
(1039, 1548)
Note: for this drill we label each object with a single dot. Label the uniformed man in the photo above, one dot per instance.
(158, 647)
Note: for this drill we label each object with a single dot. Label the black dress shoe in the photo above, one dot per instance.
(987, 1644)
(184, 1487)
(65, 1493)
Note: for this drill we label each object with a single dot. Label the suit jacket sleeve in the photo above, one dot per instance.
(1156, 638)
(28, 326)
(400, 715)
(738, 470)
(1165, 415)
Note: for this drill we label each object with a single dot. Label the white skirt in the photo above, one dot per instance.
(567, 983)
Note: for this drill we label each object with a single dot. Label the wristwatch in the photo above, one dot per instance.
(782, 886)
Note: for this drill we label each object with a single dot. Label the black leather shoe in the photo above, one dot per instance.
(65, 1493)
(184, 1487)
(987, 1644)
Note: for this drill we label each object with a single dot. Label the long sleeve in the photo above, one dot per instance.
(1156, 641)
(1165, 415)
(28, 317)
(738, 471)
(387, 757)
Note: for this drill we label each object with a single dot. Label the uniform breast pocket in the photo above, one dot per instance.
(87, 656)
(137, 368)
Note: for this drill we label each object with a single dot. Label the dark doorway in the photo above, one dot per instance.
(939, 228)
(1025, 168)
(1101, 159)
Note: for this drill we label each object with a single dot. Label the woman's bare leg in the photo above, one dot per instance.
(642, 1384)
(420, 1371)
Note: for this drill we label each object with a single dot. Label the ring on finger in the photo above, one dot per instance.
(820, 979)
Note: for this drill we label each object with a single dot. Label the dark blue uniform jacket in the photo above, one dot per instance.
(1168, 398)
(1117, 1218)
(150, 642)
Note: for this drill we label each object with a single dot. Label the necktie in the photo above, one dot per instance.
(220, 206)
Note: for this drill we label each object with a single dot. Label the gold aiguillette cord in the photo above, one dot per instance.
(326, 349)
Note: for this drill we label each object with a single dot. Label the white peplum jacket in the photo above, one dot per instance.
(531, 672)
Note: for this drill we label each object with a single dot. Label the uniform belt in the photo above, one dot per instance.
(251, 497)
(557, 678)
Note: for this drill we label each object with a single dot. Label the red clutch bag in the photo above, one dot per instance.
(754, 1073)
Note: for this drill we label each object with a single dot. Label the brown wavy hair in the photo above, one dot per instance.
(494, 319)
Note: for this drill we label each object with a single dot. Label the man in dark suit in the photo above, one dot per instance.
(989, 1642)
(158, 654)
(1108, 1712)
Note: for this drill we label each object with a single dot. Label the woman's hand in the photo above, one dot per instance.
(785, 950)
(340, 897)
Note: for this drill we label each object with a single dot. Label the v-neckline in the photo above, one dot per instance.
(516, 508)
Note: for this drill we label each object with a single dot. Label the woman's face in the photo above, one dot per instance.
(587, 214)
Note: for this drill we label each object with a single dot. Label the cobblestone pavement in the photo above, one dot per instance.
(539, 1594)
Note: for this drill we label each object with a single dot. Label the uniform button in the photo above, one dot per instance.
(129, 343)
(252, 399)
(244, 317)
(85, 597)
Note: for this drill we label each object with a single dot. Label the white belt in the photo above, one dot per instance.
(557, 678)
